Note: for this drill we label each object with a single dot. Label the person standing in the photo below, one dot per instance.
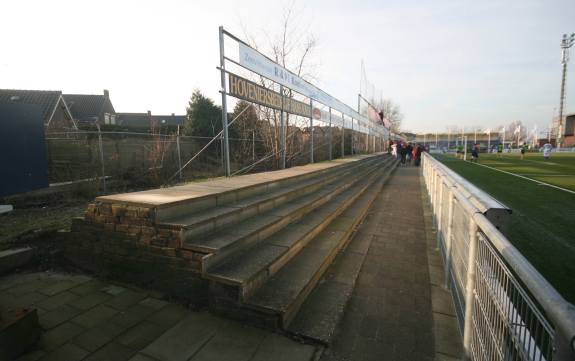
(394, 149)
(409, 149)
(402, 153)
(475, 153)
(547, 150)
(418, 152)
(499, 150)
(523, 150)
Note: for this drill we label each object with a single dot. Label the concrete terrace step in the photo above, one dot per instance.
(251, 268)
(208, 220)
(171, 202)
(322, 311)
(229, 241)
(280, 298)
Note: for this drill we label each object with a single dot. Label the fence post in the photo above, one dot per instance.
(470, 287)
(101, 156)
(179, 153)
(447, 239)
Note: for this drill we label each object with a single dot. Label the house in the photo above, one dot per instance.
(146, 120)
(91, 108)
(55, 112)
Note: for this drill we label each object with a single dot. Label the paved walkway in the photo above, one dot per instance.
(87, 319)
(389, 316)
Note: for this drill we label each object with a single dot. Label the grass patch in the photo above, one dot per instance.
(542, 222)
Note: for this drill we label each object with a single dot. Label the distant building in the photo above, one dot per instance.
(145, 120)
(89, 108)
(55, 112)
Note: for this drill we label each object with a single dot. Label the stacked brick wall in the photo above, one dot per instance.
(121, 242)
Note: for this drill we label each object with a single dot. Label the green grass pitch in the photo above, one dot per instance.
(543, 220)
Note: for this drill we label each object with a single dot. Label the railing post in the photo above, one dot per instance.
(470, 288)
(439, 213)
(447, 239)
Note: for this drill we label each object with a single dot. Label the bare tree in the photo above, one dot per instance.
(291, 47)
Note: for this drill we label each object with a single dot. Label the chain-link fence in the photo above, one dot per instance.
(133, 160)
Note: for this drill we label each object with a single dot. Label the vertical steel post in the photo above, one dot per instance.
(330, 156)
(342, 135)
(253, 145)
(226, 144)
(311, 130)
(447, 239)
(352, 136)
(179, 153)
(101, 146)
(282, 132)
(470, 288)
(465, 148)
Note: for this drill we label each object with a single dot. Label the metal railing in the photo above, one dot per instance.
(506, 309)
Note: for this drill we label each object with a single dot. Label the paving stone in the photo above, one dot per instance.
(280, 348)
(32, 355)
(441, 301)
(447, 336)
(184, 339)
(383, 318)
(98, 336)
(141, 335)
(57, 316)
(141, 357)
(233, 342)
(153, 303)
(57, 287)
(57, 300)
(67, 352)
(95, 316)
(60, 335)
(88, 287)
(126, 299)
(113, 290)
(91, 300)
(112, 352)
(132, 316)
(168, 316)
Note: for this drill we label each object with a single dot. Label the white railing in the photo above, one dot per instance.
(506, 309)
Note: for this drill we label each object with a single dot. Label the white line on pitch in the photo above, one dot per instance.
(529, 179)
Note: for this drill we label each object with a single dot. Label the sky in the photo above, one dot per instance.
(445, 63)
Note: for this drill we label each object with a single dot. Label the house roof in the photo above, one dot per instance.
(85, 107)
(143, 119)
(45, 99)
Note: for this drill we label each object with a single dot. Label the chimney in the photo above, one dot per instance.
(106, 93)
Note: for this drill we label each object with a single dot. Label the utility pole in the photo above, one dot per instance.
(566, 43)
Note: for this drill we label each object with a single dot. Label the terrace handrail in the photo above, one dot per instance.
(507, 310)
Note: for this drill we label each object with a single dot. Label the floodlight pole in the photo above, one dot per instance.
(566, 43)
(226, 144)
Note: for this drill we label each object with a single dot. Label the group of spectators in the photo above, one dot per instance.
(407, 153)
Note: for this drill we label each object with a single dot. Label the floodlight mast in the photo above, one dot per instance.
(566, 43)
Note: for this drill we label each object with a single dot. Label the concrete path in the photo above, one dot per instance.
(389, 316)
(88, 319)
